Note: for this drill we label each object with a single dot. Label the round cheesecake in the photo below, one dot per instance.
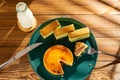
(56, 55)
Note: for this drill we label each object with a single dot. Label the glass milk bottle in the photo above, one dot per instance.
(26, 20)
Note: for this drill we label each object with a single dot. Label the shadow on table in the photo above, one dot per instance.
(16, 1)
(58, 12)
(116, 61)
(12, 39)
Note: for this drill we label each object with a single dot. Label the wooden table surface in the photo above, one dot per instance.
(102, 18)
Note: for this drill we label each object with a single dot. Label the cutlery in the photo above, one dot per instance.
(20, 54)
(93, 51)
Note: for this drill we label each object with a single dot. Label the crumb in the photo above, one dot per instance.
(90, 64)
(61, 75)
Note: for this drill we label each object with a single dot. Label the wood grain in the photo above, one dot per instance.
(105, 28)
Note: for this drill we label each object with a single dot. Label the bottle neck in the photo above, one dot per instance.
(21, 7)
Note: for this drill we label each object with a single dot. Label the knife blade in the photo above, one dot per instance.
(26, 50)
(20, 54)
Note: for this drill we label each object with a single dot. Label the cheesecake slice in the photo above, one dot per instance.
(79, 34)
(49, 29)
(79, 48)
(55, 57)
(63, 32)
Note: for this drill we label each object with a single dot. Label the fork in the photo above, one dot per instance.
(91, 50)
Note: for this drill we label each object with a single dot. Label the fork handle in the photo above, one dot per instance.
(116, 56)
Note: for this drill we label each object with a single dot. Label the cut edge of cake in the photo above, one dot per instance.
(67, 60)
(79, 34)
(79, 48)
(63, 32)
(48, 30)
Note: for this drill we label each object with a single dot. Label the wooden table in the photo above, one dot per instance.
(103, 22)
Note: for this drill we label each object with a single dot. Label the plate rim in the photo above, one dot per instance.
(36, 30)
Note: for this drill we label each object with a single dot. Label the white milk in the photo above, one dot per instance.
(24, 15)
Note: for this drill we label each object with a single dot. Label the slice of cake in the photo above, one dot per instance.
(49, 29)
(54, 56)
(79, 48)
(79, 34)
(63, 32)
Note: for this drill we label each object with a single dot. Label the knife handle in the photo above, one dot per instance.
(7, 62)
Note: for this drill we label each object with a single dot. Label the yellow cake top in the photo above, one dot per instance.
(54, 56)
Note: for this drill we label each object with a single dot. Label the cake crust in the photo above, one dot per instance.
(54, 56)
(79, 48)
(63, 32)
(49, 29)
(79, 34)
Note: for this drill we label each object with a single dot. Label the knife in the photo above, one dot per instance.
(20, 54)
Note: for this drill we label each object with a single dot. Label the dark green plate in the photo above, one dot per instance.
(82, 66)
